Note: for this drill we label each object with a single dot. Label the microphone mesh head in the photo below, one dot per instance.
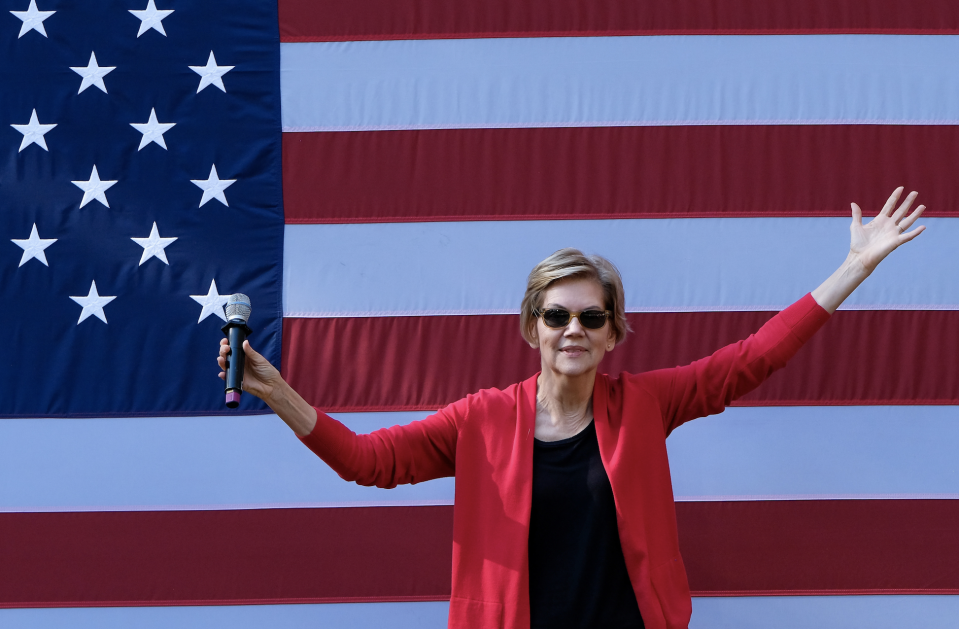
(238, 307)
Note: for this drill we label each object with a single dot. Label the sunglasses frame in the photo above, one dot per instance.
(540, 314)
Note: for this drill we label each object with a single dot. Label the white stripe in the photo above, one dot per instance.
(774, 453)
(678, 265)
(174, 463)
(834, 612)
(818, 453)
(764, 612)
(616, 81)
(423, 615)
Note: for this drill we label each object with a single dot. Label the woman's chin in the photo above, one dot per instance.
(571, 369)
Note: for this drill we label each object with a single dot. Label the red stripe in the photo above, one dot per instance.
(827, 547)
(614, 172)
(405, 363)
(331, 20)
(225, 557)
(404, 553)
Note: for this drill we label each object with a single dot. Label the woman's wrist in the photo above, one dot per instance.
(858, 267)
(854, 269)
(290, 406)
(850, 274)
(277, 395)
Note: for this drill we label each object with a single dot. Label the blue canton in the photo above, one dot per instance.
(140, 186)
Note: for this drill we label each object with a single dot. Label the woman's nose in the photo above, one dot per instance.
(573, 327)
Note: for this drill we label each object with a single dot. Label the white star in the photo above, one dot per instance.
(93, 188)
(153, 246)
(150, 17)
(33, 247)
(152, 130)
(32, 19)
(93, 304)
(213, 187)
(33, 132)
(212, 303)
(211, 74)
(93, 74)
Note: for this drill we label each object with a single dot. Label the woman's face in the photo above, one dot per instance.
(573, 350)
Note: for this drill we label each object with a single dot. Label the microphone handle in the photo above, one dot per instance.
(236, 332)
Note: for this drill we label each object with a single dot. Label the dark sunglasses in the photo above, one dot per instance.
(560, 318)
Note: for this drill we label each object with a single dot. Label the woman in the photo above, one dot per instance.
(564, 512)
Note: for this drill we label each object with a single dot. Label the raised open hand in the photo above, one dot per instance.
(259, 376)
(875, 240)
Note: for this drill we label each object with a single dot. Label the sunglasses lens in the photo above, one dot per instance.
(593, 319)
(555, 318)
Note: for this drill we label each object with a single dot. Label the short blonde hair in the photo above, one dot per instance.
(573, 264)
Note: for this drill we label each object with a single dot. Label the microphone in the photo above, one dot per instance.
(236, 330)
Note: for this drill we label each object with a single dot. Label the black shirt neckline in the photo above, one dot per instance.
(582, 434)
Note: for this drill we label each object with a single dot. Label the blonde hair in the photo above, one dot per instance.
(573, 264)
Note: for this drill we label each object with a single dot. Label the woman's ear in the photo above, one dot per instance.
(535, 342)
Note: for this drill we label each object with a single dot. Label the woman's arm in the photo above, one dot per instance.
(419, 451)
(708, 385)
(869, 245)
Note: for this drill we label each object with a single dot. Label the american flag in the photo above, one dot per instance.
(432, 153)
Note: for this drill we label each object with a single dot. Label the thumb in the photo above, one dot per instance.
(252, 353)
(856, 214)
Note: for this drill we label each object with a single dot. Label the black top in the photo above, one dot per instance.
(577, 574)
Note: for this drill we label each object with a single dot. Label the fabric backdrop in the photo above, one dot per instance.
(379, 176)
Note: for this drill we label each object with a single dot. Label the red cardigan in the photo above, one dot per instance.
(486, 441)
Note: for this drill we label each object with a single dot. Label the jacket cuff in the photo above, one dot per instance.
(328, 437)
(805, 317)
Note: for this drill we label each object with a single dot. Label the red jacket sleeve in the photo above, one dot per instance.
(708, 385)
(419, 451)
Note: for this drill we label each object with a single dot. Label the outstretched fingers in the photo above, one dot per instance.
(907, 236)
(908, 221)
(904, 208)
(891, 202)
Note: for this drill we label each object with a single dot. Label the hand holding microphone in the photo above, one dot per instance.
(244, 369)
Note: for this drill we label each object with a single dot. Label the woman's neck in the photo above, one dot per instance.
(564, 405)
